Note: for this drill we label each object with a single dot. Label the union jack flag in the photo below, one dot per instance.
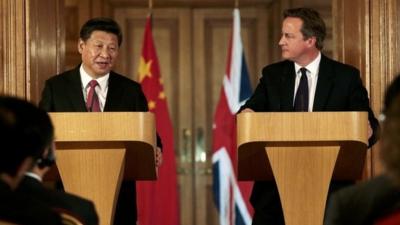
(231, 197)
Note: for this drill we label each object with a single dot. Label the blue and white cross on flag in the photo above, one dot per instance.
(231, 197)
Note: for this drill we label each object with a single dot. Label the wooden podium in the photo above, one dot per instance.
(95, 151)
(302, 151)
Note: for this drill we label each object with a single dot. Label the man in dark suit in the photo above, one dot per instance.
(368, 202)
(305, 81)
(71, 91)
(63, 202)
(25, 131)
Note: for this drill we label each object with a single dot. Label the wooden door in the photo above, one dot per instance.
(172, 36)
(211, 35)
(192, 48)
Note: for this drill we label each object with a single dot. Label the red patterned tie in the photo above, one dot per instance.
(92, 103)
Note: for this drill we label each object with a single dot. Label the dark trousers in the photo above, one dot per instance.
(125, 212)
(267, 205)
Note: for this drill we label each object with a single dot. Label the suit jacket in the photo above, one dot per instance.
(363, 203)
(78, 207)
(63, 93)
(339, 88)
(23, 209)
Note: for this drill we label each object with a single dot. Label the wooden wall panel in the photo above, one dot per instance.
(172, 36)
(211, 40)
(46, 44)
(77, 12)
(191, 3)
(172, 39)
(31, 45)
(275, 13)
(351, 28)
(384, 56)
(13, 65)
(366, 37)
(351, 35)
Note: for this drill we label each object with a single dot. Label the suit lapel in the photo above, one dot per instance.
(324, 84)
(287, 87)
(114, 93)
(75, 91)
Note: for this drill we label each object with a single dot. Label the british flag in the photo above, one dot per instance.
(231, 197)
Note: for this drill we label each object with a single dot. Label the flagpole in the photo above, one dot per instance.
(150, 5)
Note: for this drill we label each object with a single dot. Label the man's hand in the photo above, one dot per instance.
(158, 157)
(247, 110)
(370, 131)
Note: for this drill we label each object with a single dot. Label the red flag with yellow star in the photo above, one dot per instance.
(157, 200)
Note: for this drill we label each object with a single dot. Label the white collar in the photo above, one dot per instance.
(311, 67)
(85, 79)
(34, 176)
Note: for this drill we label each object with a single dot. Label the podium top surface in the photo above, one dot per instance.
(302, 126)
(104, 126)
(133, 131)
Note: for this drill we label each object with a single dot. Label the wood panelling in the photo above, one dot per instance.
(351, 40)
(384, 56)
(275, 15)
(192, 74)
(190, 3)
(211, 39)
(365, 36)
(31, 45)
(77, 12)
(46, 46)
(172, 38)
(172, 33)
(13, 46)
(191, 38)
(351, 34)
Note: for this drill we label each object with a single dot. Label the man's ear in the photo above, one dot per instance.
(81, 44)
(45, 152)
(312, 41)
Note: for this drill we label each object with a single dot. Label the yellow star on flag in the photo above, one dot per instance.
(152, 105)
(144, 69)
(161, 95)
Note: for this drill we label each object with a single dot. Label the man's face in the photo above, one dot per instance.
(99, 53)
(293, 45)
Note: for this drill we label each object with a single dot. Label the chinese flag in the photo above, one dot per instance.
(157, 200)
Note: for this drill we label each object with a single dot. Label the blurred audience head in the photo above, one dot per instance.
(25, 133)
(390, 151)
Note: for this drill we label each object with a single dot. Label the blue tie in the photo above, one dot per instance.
(301, 99)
